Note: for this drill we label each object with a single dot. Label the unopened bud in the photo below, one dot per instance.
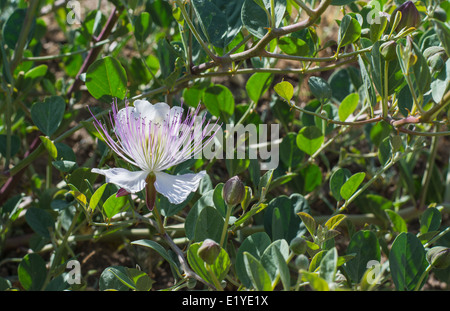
(208, 251)
(69, 197)
(121, 192)
(439, 257)
(298, 245)
(433, 51)
(302, 262)
(233, 191)
(388, 50)
(410, 16)
(440, 15)
(434, 56)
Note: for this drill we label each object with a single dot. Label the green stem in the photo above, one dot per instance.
(277, 278)
(429, 115)
(25, 162)
(235, 48)
(194, 30)
(272, 14)
(68, 54)
(386, 87)
(259, 47)
(23, 37)
(316, 59)
(391, 162)
(422, 277)
(447, 183)
(8, 129)
(332, 121)
(48, 171)
(413, 93)
(59, 249)
(225, 225)
(425, 134)
(158, 219)
(305, 8)
(437, 237)
(213, 277)
(8, 89)
(428, 170)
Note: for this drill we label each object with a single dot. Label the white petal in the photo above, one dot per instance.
(156, 113)
(177, 187)
(130, 181)
(142, 107)
(161, 112)
(124, 114)
(176, 112)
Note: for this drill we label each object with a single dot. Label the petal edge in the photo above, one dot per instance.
(177, 188)
(131, 181)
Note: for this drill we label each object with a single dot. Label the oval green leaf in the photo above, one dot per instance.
(142, 26)
(320, 89)
(285, 90)
(407, 261)
(106, 78)
(32, 272)
(113, 205)
(254, 244)
(309, 139)
(337, 180)
(258, 84)
(430, 220)
(365, 246)
(40, 220)
(349, 31)
(351, 185)
(219, 101)
(398, 223)
(293, 46)
(13, 27)
(348, 106)
(258, 275)
(49, 146)
(209, 225)
(290, 154)
(47, 115)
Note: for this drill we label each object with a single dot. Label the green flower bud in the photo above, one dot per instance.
(435, 56)
(302, 262)
(298, 245)
(436, 63)
(233, 191)
(433, 51)
(410, 16)
(439, 257)
(69, 197)
(440, 15)
(208, 251)
(388, 50)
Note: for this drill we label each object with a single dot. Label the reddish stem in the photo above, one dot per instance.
(92, 55)
(12, 181)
